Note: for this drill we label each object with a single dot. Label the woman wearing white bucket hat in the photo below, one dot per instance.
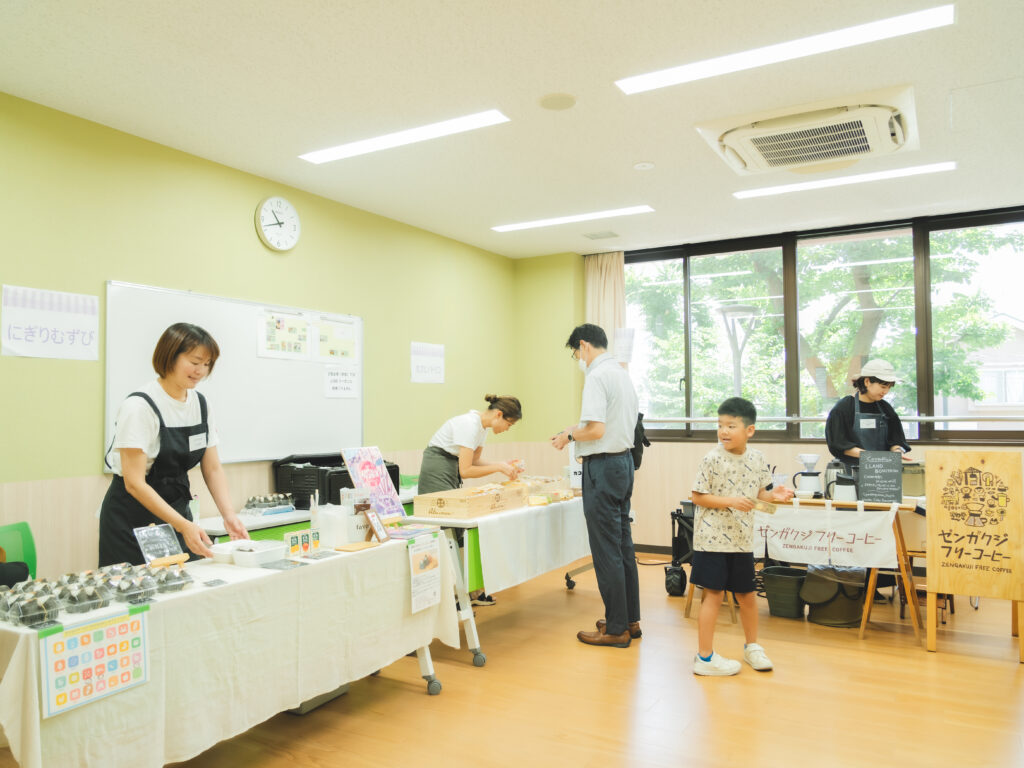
(865, 421)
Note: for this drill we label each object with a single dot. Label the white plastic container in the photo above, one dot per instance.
(331, 522)
(250, 554)
(224, 552)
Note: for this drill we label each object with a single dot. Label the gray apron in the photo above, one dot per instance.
(439, 471)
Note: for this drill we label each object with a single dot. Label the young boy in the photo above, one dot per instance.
(728, 479)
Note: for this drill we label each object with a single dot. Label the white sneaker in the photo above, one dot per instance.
(755, 656)
(717, 666)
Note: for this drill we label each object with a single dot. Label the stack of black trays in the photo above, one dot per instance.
(305, 474)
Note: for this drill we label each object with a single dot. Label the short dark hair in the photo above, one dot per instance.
(180, 339)
(590, 333)
(861, 383)
(509, 406)
(741, 408)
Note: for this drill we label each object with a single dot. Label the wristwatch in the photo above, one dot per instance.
(568, 435)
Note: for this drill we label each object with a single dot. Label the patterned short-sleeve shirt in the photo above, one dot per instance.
(725, 474)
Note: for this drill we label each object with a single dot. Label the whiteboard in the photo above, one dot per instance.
(264, 406)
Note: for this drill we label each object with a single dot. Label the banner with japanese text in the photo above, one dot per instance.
(975, 505)
(54, 324)
(823, 536)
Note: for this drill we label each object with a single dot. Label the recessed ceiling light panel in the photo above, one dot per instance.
(861, 178)
(410, 136)
(884, 29)
(578, 217)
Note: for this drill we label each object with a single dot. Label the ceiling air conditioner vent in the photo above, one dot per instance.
(824, 136)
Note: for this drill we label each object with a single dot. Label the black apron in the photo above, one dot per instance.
(121, 512)
(871, 438)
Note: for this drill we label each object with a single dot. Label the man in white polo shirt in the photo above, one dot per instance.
(604, 437)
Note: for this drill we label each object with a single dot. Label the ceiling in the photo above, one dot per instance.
(254, 84)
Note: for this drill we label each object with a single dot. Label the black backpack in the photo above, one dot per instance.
(640, 441)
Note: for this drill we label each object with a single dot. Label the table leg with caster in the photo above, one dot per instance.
(427, 670)
(465, 605)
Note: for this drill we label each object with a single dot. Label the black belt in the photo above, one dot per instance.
(604, 455)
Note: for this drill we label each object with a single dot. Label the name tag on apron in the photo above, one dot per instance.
(867, 423)
(195, 442)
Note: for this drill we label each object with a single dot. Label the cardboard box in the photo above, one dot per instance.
(913, 479)
(915, 529)
(466, 503)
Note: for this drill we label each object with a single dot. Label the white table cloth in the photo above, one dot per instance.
(518, 544)
(225, 658)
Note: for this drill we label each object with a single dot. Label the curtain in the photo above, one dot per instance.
(604, 276)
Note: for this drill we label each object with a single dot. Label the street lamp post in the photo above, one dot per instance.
(739, 322)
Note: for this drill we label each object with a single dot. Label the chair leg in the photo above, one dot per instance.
(727, 597)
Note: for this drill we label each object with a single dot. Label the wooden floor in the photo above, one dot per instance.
(544, 699)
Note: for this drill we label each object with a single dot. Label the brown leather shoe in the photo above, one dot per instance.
(600, 638)
(634, 628)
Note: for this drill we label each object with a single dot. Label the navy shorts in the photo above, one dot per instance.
(732, 571)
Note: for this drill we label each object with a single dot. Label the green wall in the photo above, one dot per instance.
(84, 204)
(550, 304)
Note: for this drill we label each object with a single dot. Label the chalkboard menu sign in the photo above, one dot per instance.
(880, 477)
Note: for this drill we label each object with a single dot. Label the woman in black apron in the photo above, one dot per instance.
(162, 432)
(865, 421)
(454, 453)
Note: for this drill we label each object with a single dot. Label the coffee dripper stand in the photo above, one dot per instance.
(807, 483)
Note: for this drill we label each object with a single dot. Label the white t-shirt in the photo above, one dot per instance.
(463, 431)
(138, 427)
(608, 397)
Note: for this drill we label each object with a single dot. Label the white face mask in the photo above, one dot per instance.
(583, 364)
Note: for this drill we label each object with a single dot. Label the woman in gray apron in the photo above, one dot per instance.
(454, 453)
(163, 431)
(865, 421)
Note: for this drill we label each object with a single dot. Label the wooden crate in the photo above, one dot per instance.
(467, 503)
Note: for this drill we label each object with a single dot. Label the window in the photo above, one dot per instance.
(977, 321)
(788, 320)
(722, 312)
(856, 303)
(737, 347)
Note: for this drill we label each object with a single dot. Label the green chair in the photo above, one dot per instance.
(17, 543)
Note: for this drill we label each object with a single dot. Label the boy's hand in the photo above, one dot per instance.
(782, 494)
(742, 503)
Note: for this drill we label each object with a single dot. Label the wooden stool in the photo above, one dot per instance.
(727, 597)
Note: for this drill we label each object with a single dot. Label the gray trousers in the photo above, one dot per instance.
(607, 488)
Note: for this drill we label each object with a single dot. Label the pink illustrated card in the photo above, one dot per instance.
(369, 472)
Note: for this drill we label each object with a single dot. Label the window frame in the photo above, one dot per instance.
(921, 229)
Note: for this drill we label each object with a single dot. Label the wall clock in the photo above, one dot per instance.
(277, 224)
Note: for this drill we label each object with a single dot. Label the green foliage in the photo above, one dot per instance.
(855, 300)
